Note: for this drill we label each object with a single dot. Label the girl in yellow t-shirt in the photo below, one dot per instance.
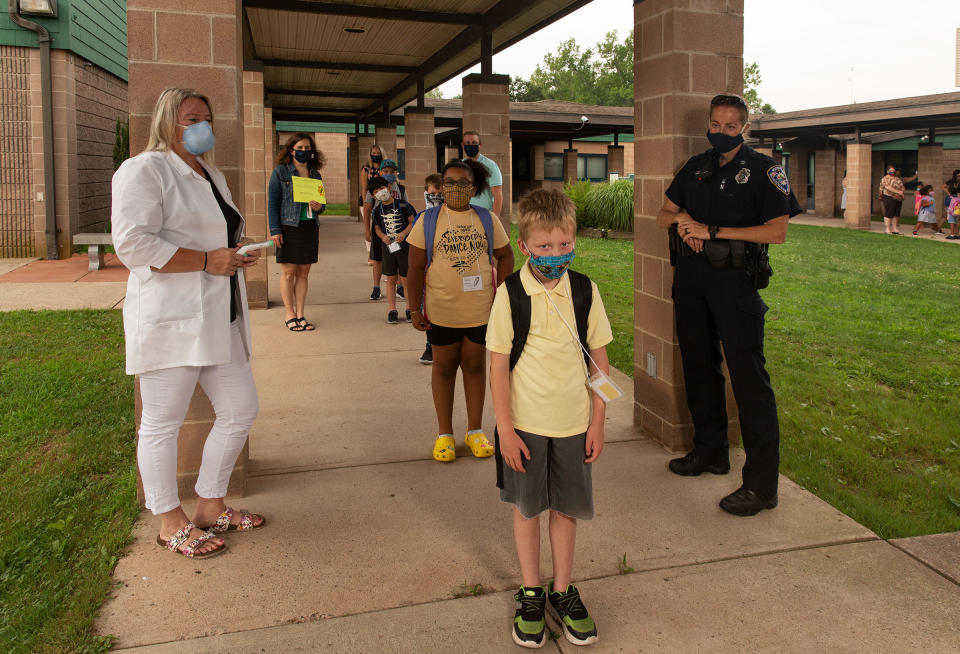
(456, 296)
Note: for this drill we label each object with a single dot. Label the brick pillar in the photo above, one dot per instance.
(451, 153)
(570, 165)
(859, 164)
(420, 150)
(930, 170)
(826, 200)
(615, 160)
(354, 163)
(386, 138)
(682, 58)
(486, 110)
(536, 165)
(199, 47)
(256, 177)
(65, 149)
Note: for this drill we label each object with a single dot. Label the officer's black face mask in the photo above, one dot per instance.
(722, 142)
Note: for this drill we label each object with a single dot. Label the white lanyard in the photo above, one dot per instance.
(574, 334)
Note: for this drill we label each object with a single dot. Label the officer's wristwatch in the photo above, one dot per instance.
(712, 230)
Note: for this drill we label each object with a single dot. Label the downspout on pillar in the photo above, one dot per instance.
(46, 102)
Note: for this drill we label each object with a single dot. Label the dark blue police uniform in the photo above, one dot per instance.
(718, 302)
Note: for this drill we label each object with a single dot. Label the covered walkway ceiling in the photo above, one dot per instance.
(338, 61)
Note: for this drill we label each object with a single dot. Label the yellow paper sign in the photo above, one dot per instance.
(307, 188)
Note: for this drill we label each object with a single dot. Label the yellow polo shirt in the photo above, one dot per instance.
(548, 391)
(459, 250)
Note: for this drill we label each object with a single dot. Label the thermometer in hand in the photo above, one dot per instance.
(254, 246)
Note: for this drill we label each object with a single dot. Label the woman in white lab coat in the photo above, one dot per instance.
(185, 316)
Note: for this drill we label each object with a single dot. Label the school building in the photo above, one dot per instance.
(355, 73)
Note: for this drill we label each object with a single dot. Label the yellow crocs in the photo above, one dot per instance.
(479, 445)
(443, 449)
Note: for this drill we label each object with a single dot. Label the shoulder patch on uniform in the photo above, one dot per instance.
(779, 179)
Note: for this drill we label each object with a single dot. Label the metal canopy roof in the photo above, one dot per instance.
(938, 111)
(339, 61)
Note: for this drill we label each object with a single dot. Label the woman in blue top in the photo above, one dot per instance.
(294, 225)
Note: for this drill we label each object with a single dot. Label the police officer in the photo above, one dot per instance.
(722, 208)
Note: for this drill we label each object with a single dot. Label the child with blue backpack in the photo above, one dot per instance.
(458, 253)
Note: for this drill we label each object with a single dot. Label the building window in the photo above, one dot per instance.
(906, 162)
(553, 166)
(592, 167)
(589, 166)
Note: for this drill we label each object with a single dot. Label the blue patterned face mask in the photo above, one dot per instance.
(390, 177)
(552, 267)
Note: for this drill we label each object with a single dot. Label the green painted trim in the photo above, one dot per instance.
(948, 141)
(93, 29)
(328, 128)
(607, 138)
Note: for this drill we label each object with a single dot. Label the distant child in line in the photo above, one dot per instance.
(549, 424)
(926, 209)
(392, 220)
(388, 171)
(432, 197)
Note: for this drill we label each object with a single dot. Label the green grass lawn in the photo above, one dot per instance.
(862, 344)
(337, 209)
(863, 337)
(66, 474)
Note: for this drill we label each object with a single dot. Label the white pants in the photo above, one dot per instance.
(166, 397)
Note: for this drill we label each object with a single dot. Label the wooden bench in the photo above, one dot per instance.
(94, 243)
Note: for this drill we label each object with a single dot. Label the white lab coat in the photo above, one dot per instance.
(170, 320)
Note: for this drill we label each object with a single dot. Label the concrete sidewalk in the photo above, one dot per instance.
(374, 547)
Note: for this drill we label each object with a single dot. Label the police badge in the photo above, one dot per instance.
(743, 176)
(779, 179)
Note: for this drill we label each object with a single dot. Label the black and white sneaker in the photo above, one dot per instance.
(427, 357)
(529, 628)
(375, 294)
(399, 291)
(572, 615)
(407, 314)
(393, 318)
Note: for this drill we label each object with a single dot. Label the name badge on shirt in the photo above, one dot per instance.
(472, 283)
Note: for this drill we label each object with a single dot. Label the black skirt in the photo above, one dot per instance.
(300, 243)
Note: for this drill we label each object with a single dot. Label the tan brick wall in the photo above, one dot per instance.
(176, 44)
(486, 110)
(17, 204)
(420, 151)
(929, 171)
(826, 199)
(684, 53)
(255, 178)
(859, 190)
(334, 147)
(101, 101)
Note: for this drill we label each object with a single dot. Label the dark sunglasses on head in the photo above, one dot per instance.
(728, 100)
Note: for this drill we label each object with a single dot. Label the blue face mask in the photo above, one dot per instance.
(552, 267)
(390, 177)
(198, 138)
(471, 150)
(303, 156)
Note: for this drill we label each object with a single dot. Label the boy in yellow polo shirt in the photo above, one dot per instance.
(549, 424)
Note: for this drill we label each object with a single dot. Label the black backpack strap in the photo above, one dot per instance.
(582, 291)
(519, 313)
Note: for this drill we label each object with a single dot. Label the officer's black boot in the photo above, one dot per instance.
(693, 464)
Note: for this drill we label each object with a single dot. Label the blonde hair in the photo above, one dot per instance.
(546, 210)
(369, 163)
(163, 125)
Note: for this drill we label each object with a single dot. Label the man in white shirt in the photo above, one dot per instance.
(491, 198)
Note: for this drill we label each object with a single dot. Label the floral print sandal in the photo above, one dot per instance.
(181, 543)
(223, 524)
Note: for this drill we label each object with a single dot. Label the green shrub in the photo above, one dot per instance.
(610, 206)
(578, 193)
(121, 144)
